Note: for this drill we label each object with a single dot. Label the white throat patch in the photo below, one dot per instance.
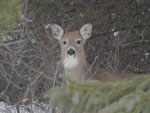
(70, 62)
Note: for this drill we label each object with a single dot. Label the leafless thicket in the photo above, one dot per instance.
(28, 67)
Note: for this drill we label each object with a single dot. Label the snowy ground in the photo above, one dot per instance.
(34, 108)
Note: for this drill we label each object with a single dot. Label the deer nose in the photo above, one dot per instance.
(71, 52)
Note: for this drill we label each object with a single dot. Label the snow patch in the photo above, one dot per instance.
(147, 55)
(35, 108)
(7, 38)
(116, 33)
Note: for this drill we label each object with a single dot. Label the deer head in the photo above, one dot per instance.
(72, 48)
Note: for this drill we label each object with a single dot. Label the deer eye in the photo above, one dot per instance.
(64, 42)
(78, 41)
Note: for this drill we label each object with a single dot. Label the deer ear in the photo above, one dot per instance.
(57, 31)
(86, 31)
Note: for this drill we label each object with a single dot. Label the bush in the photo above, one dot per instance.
(128, 96)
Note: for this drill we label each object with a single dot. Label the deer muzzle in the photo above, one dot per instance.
(71, 52)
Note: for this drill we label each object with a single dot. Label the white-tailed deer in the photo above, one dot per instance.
(73, 55)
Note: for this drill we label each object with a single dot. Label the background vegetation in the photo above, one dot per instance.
(10, 14)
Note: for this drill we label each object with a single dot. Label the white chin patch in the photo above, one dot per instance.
(71, 56)
(70, 62)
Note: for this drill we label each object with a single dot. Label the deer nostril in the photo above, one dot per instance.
(70, 52)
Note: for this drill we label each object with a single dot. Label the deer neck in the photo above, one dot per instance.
(76, 68)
